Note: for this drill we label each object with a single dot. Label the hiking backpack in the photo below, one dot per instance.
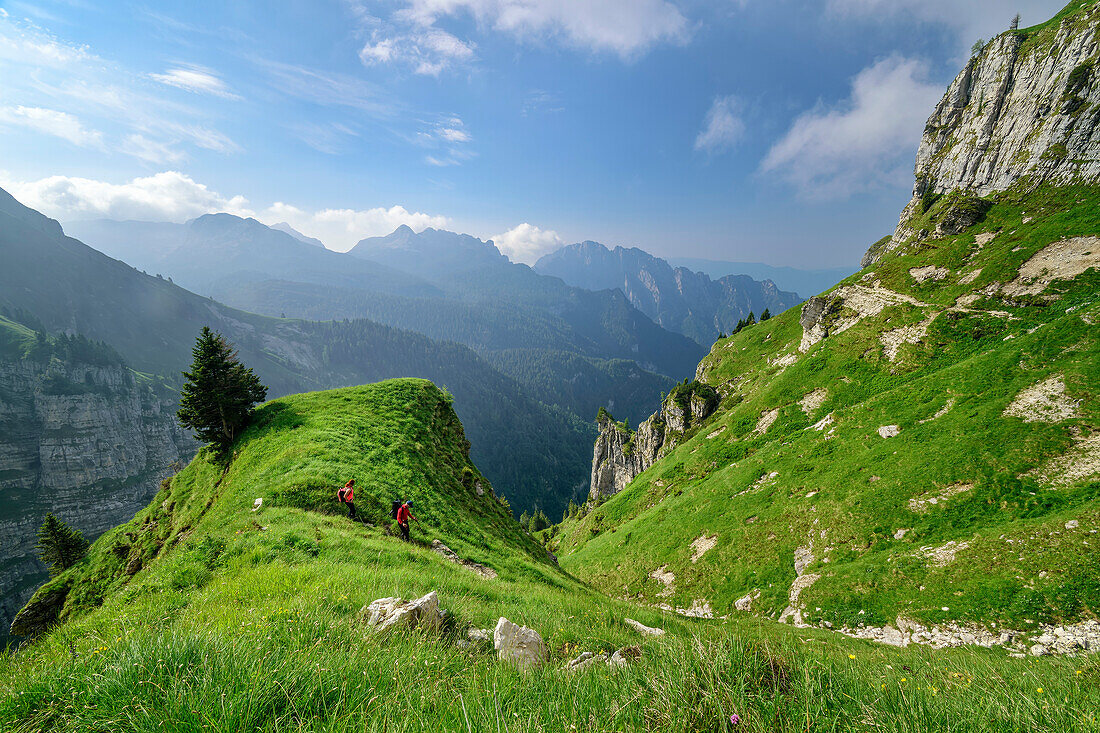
(394, 508)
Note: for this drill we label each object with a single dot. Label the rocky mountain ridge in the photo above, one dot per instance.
(677, 298)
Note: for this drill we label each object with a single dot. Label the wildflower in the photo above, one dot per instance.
(903, 679)
(735, 719)
(1078, 671)
(1039, 690)
(851, 656)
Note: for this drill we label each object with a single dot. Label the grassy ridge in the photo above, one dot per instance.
(250, 621)
(845, 491)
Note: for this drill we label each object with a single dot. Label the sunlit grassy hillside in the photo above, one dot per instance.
(982, 501)
(251, 621)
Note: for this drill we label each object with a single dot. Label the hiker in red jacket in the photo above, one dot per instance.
(404, 514)
(345, 496)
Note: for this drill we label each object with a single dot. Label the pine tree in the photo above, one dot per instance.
(1015, 23)
(59, 545)
(765, 315)
(751, 320)
(216, 402)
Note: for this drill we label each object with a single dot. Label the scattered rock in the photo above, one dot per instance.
(585, 659)
(943, 555)
(1061, 260)
(941, 412)
(715, 433)
(970, 277)
(823, 422)
(519, 645)
(889, 431)
(389, 613)
(766, 419)
(642, 628)
(901, 533)
(257, 504)
(925, 501)
(665, 578)
(1043, 402)
(744, 603)
(624, 656)
(803, 558)
(1072, 524)
(813, 400)
(478, 635)
(928, 272)
(701, 545)
(441, 549)
(892, 341)
(1079, 463)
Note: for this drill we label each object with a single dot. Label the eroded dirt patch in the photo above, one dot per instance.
(1079, 463)
(813, 400)
(701, 545)
(1059, 261)
(1044, 402)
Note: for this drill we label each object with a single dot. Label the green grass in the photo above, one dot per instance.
(849, 490)
(251, 621)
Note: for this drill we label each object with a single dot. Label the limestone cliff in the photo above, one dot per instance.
(87, 442)
(621, 454)
(1025, 108)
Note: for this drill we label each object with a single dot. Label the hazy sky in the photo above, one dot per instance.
(778, 131)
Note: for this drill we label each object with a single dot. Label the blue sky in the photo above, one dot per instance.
(762, 130)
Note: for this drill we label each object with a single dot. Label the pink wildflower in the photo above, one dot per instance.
(735, 719)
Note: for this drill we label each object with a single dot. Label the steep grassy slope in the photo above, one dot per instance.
(973, 511)
(250, 621)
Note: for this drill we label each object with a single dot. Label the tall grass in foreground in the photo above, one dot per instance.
(294, 670)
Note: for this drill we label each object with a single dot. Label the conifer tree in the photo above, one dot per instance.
(751, 320)
(59, 546)
(216, 402)
(765, 315)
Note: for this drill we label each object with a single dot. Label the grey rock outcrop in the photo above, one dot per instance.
(89, 443)
(391, 613)
(518, 644)
(620, 454)
(1025, 107)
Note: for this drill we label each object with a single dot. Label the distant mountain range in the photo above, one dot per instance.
(803, 282)
(677, 298)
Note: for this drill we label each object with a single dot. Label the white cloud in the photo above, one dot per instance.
(413, 37)
(723, 127)
(52, 122)
(341, 229)
(970, 20)
(175, 196)
(866, 142)
(165, 196)
(526, 242)
(195, 79)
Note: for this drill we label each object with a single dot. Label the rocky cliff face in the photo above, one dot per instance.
(88, 443)
(1026, 107)
(621, 454)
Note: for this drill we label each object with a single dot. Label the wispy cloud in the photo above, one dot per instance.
(329, 89)
(52, 122)
(723, 126)
(866, 142)
(65, 90)
(195, 79)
